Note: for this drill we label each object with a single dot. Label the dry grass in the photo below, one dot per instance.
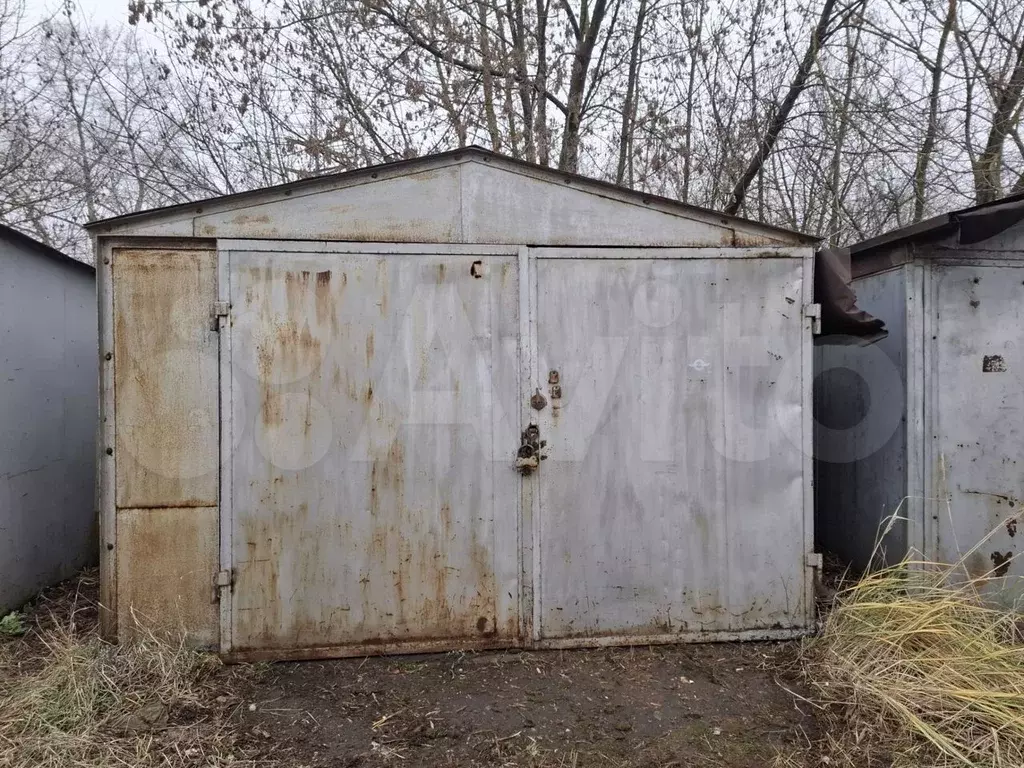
(69, 700)
(915, 667)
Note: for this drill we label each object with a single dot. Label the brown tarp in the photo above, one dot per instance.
(834, 292)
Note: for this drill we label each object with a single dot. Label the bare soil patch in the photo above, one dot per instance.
(697, 705)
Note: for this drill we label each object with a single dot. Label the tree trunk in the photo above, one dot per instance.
(988, 169)
(488, 79)
(629, 105)
(586, 29)
(835, 167)
(771, 136)
(540, 85)
(931, 130)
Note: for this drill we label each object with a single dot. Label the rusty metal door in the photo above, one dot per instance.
(674, 501)
(370, 504)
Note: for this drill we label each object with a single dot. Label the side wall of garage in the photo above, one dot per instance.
(47, 419)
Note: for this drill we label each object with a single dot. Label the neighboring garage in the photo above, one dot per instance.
(47, 417)
(326, 404)
(928, 425)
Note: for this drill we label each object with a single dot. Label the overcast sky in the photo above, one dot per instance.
(113, 12)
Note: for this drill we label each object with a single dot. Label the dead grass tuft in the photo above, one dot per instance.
(915, 667)
(69, 700)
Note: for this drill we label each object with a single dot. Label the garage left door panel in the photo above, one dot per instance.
(374, 407)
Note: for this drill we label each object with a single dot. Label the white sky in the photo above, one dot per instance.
(112, 12)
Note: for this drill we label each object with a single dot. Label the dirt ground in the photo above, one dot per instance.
(697, 705)
(730, 705)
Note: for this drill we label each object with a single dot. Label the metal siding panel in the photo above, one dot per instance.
(178, 224)
(920, 527)
(419, 207)
(152, 222)
(106, 461)
(810, 321)
(672, 501)
(166, 373)
(374, 407)
(47, 421)
(529, 376)
(507, 207)
(860, 430)
(227, 445)
(1006, 244)
(166, 566)
(977, 410)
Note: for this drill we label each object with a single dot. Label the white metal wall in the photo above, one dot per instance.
(374, 419)
(47, 420)
(673, 498)
(976, 414)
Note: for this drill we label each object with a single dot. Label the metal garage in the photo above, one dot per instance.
(459, 401)
(47, 417)
(927, 423)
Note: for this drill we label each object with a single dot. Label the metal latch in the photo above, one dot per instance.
(528, 457)
(813, 311)
(555, 384)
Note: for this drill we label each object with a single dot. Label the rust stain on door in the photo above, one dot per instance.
(366, 509)
(165, 378)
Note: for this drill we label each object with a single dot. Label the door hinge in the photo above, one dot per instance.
(225, 581)
(220, 309)
(813, 311)
(813, 560)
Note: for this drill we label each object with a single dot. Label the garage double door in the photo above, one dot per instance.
(439, 447)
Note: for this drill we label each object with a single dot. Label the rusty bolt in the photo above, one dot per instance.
(106, 260)
(108, 356)
(556, 391)
(553, 377)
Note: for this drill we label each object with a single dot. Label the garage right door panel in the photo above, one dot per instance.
(672, 497)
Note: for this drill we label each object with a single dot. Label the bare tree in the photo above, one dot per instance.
(819, 36)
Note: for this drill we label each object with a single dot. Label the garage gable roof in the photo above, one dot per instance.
(469, 195)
